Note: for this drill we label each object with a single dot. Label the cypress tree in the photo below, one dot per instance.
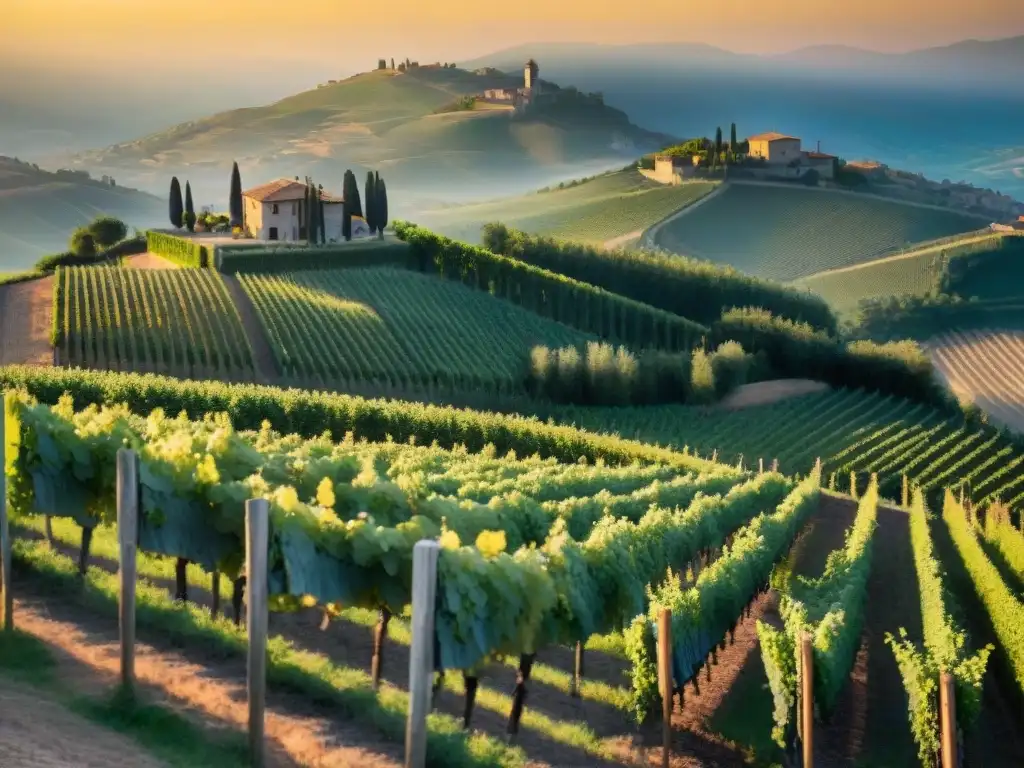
(189, 219)
(718, 141)
(380, 205)
(235, 203)
(371, 218)
(311, 205)
(392, 62)
(320, 214)
(732, 138)
(352, 201)
(176, 207)
(346, 210)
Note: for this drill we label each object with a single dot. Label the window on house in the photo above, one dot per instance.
(273, 208)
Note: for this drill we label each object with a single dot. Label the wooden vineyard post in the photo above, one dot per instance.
(5, 528)
(807, 700)
(257, 524)
(575, 689)
(127, 539)
(421, 655)
(947, 720)
(760, 466)
(665, 682)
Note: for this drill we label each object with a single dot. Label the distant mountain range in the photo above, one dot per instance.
(984, 63)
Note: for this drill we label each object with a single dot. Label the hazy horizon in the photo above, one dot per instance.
(124, 39)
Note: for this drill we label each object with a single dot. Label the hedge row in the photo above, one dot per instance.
(695, 289)
(574, 303)
(312, 413)
(797, 350)
(180, 250)
(372, 253)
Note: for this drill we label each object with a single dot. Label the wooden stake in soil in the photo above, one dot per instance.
(421, 654)
(257, 524)
(83, 552)
(807, 700)
(5, 529)
(181, 579)
(519, 694)
(127, 539)
(665, 682)
(215, 591)
(471, 685)
(947, 720)
(380, 632)
(237, 592)
(577, 680)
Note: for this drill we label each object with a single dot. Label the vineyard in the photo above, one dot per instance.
(388, 325)
(175, 321)
(985, 368)
(537, 556)
(784, 233)
(849, 430)
(592, 211)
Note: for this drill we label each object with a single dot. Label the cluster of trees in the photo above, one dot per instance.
(376, 198)
(713, 153)
(692, 289)
(407, 64)
(182, 214)
(796, 350)
(102, 232)
(598, 373)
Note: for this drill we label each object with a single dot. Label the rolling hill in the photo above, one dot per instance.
(618, 206)
(39, 210)
(784, 232)
(401, 124)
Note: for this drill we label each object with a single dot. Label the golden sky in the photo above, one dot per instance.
(176, 35)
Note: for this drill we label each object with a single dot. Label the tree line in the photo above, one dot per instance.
(697, 290)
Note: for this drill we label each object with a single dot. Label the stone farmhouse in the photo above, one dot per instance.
(276, 211)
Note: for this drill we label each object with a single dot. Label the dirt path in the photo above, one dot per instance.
(149, 261)
(36, 732)
(26, 319)
(766, 392)
(262, 354)
(870, 726)
(621, 240)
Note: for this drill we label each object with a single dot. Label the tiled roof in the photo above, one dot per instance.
(820, 156)
(284, 190)
(772, 136)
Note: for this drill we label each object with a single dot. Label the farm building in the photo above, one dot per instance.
(822, 162)
(775, 148)
(869, 168)
(276, 211)
(672, 169)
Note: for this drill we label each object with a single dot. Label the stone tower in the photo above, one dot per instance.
(530, 75)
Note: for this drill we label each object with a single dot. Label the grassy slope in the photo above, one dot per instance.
(848, 430)
(379, 119)
(592, 211)
(789, 232)
(376, 323)
(39, 210)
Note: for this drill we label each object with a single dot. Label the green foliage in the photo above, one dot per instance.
(175, 204)
(188, 219)
(796, 350)
(173, 321)
(579, 305)
(365, 253)
(381, 210)
(371, 202)
(1008, 541)
(789, 232)
(945, 647)
(704, 612)
(850, 430)
(353, 205)
(180, 250)
(598, 373)
(831, 609)
(1003, 607)
(83, 244)
(106, 230)
(688, 288)
(312, 413)
(395, 327)
(235, 197)
(702, 378)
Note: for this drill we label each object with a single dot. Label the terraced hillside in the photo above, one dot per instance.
(848, 430)
(786, 232)
(984, 367)
(618, 205)
(377, 325)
